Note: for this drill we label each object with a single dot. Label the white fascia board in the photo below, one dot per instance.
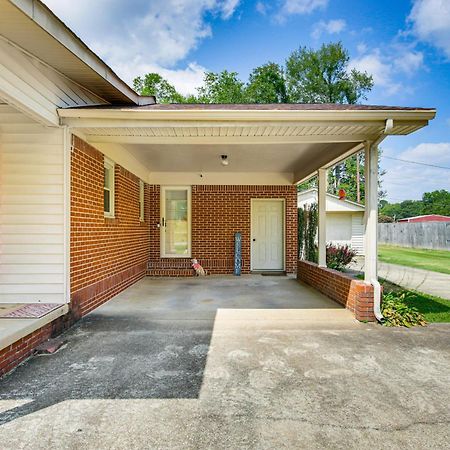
(249, 115)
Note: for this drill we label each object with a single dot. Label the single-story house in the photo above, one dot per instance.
(345, 219)
(101, 187)
(426, 218)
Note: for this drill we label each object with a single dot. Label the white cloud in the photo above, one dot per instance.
(333, 26)
(431, 22)
(229, 7)
(389, 66)
(261, 7)
(382, 71)
(294, 7)
(405, 181)
(409, 62)
(157, 33)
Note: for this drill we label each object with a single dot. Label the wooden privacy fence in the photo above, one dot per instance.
(433, 235)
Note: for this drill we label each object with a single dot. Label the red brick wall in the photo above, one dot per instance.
(106, 255)
(217, 213)
(354, 294)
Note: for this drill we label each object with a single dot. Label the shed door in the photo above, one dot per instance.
(267, 234)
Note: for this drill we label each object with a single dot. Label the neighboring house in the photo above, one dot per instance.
(101, 187)
(426, 218)
(345, 219)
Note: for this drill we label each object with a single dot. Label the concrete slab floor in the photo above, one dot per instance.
(231, 363)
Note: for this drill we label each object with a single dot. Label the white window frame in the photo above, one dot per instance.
(162, 228)
(110, 165)
(141, 201)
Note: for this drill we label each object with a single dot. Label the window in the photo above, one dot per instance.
(141, 201)
(176, 222)
(108, 188)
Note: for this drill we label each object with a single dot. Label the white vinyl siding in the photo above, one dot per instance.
(32, 210)
(358, 232)
(339, 228)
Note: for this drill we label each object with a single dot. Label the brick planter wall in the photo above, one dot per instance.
(107, 255)
(354, 294)
(218, 212)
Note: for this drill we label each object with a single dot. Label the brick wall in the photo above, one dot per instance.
(17, 352)
(107, 255)
(218, 212)
(354, 294)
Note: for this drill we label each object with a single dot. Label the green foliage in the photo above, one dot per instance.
(322, 76)
(344, 176)
(308, 220)
(155, 84)
(339, 256)
(385, 219)
(436, 202)
(223, 87)
(266, 84)
(397, 313)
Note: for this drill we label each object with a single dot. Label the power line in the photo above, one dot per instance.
(416, 162)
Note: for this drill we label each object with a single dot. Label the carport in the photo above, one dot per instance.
(222, 160)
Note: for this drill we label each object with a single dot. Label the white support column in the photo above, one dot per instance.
(322, 200)
(371, 215)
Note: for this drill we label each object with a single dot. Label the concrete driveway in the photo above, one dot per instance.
(224, 362)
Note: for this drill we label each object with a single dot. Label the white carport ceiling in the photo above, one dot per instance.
(295, 158)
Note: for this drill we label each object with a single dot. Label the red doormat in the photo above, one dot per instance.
(30, 311)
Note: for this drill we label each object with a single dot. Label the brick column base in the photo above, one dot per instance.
(355, 295)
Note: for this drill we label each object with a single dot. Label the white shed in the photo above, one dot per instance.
(345, 219)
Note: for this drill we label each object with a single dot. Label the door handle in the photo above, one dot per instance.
(254, 240)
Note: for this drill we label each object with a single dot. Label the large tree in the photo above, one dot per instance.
(223, 87)
(324, 76)
(266, 84)
(155, 84)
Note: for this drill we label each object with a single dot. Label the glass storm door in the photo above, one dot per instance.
(176, 222)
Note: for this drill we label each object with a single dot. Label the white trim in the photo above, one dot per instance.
(67, 227)
(110, 165)
(252, 200)
(162, 213)
(250, 114)
(141, 201)
(322, 218)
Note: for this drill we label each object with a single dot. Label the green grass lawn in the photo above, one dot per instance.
(434, 260)
(434, 309)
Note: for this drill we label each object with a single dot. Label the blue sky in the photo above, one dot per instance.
(404, 44)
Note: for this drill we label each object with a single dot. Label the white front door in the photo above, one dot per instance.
(267, 234)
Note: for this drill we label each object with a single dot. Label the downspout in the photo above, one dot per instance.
(374, 282)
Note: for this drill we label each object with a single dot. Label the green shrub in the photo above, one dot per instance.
(397, 314)
(339, 256)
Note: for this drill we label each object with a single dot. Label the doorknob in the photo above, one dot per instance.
(254, 240)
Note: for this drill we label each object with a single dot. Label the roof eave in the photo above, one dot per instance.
(44, 18)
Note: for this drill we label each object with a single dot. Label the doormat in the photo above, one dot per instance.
(273, 274)
(29, 311)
